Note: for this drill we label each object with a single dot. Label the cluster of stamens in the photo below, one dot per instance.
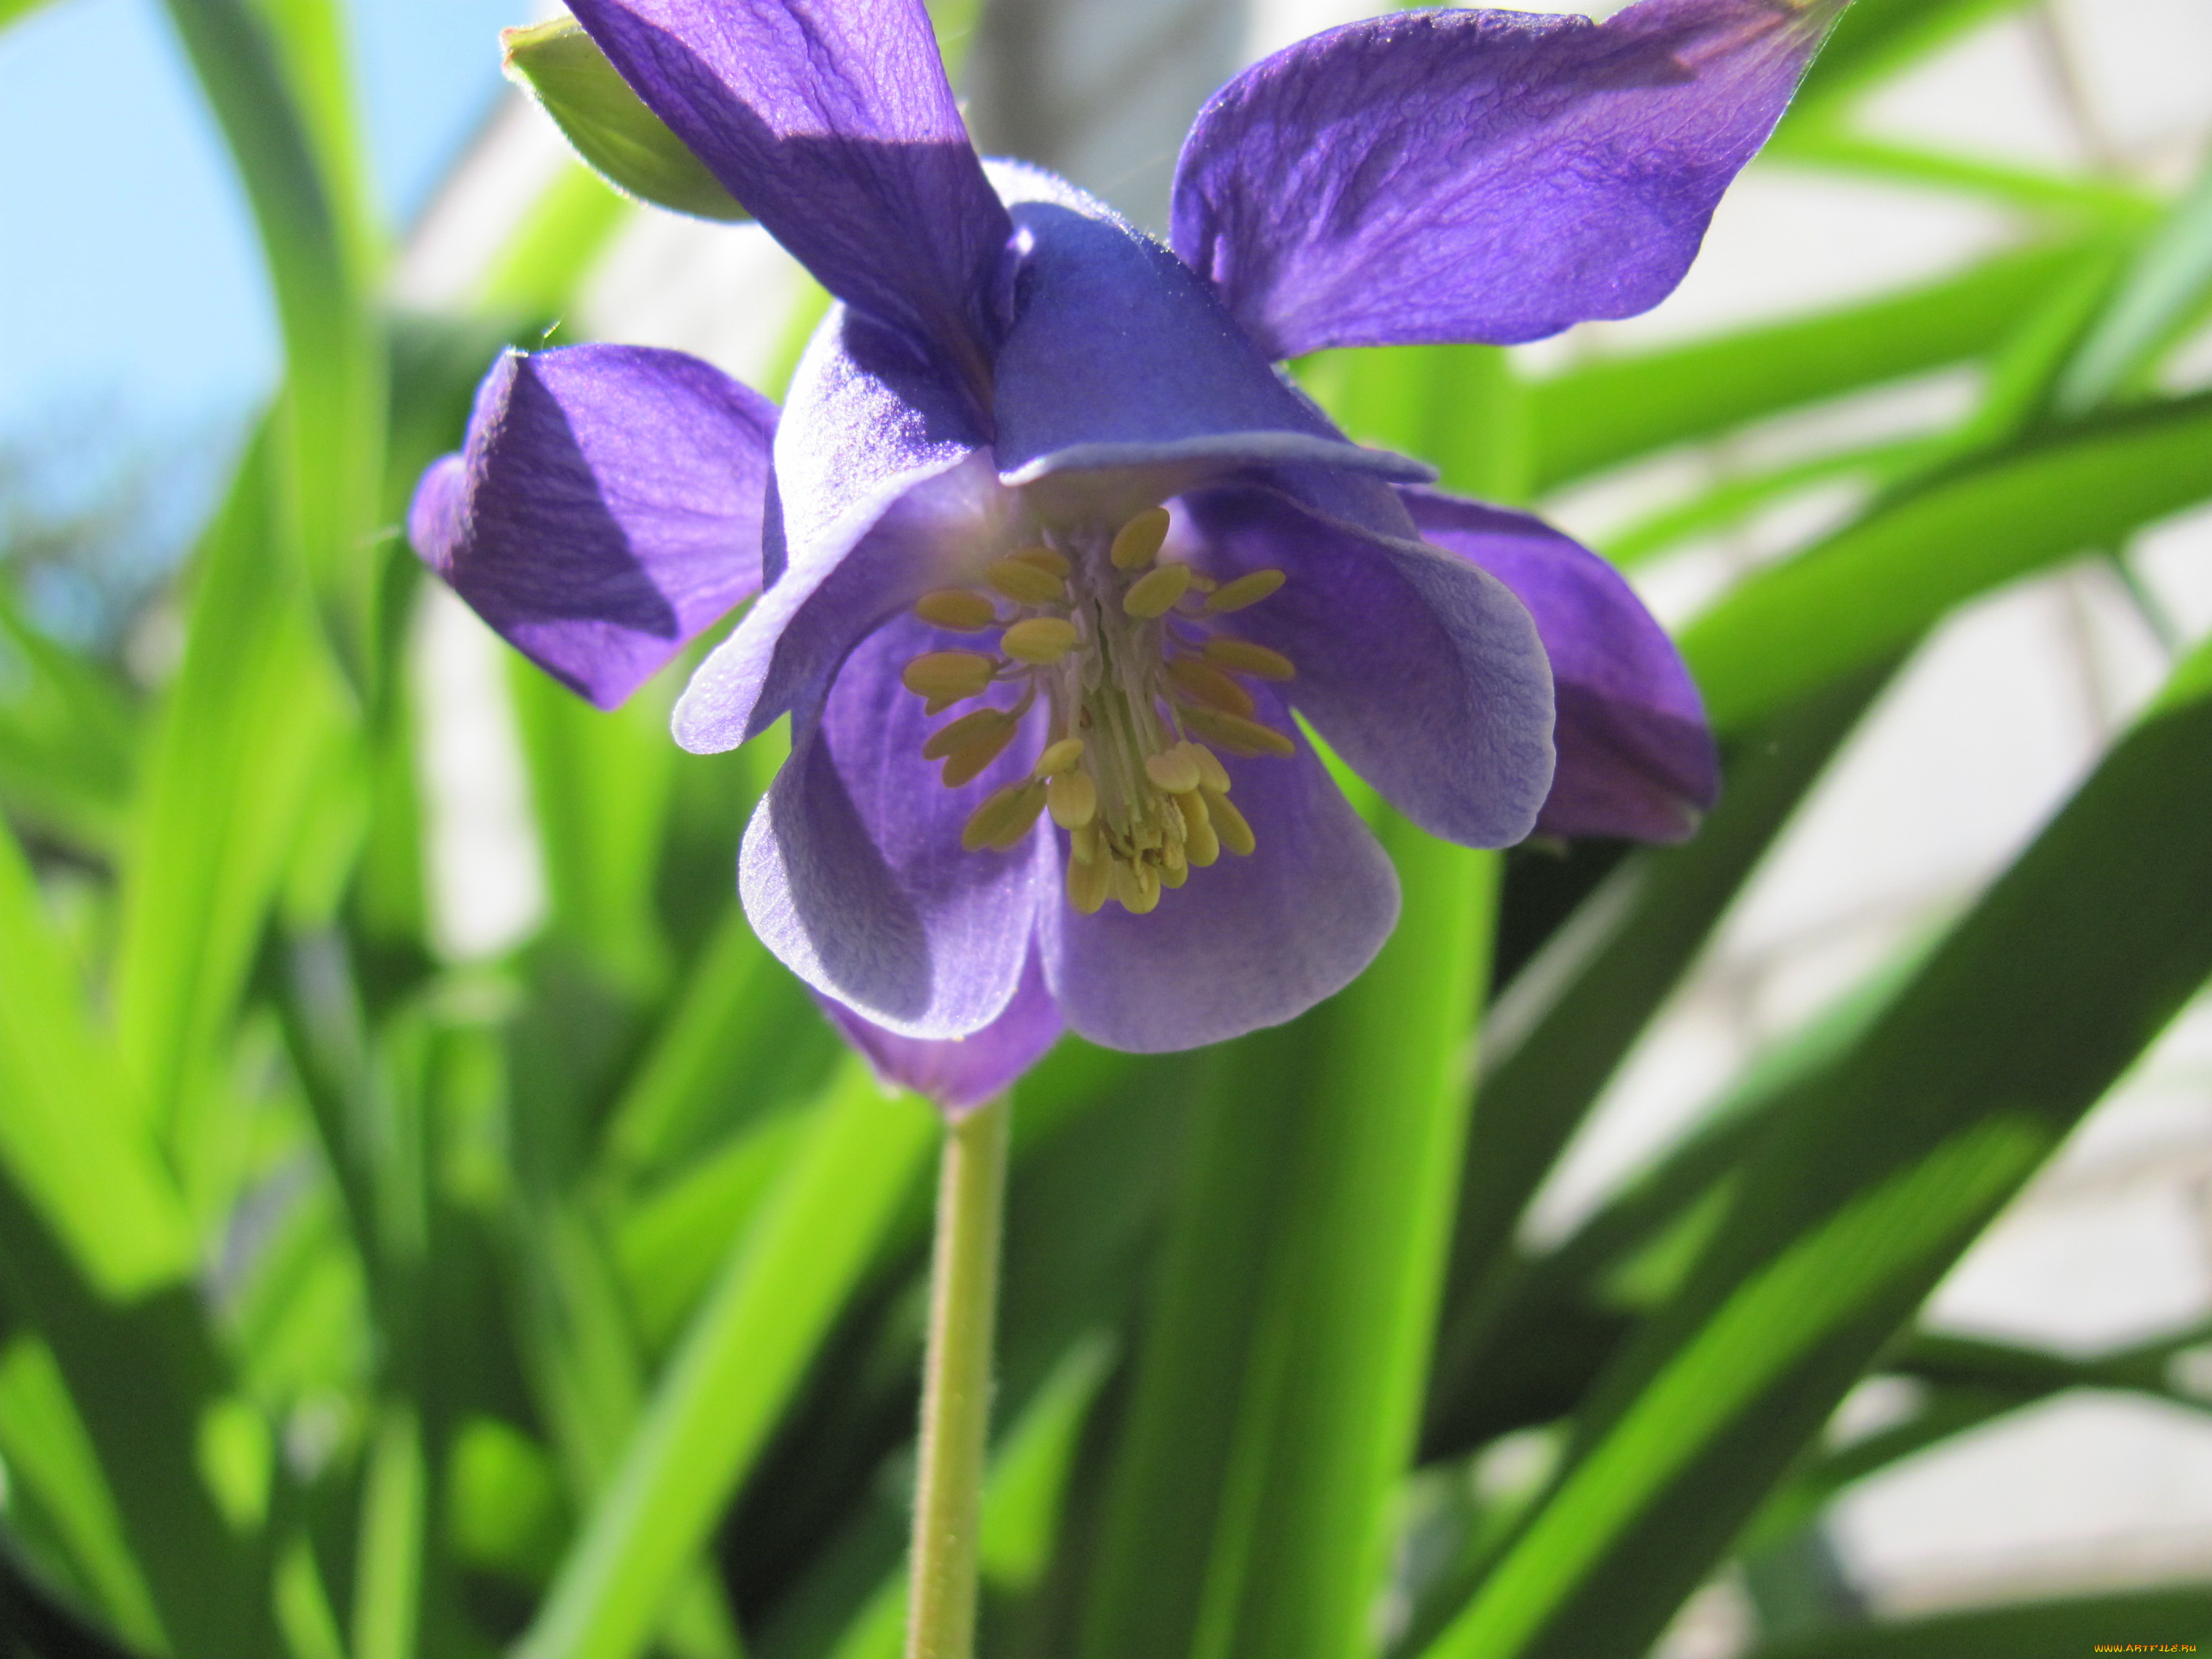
(1143, 689)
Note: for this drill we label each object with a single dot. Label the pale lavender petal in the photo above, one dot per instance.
(853, 872)
(1636, 756)
(960, 1074)
(1248, 943)
(607, 507)
(1119, 359)
(1480, 175)
(832, 123)
(885, 492)
(1422, 672)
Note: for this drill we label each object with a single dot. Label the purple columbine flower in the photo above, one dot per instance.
(1048, 551)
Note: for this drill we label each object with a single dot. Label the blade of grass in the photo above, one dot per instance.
(727, 1386)
(2153, 1621)
(1847, 1215)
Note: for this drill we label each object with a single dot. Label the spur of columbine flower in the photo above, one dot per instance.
(1046, 551)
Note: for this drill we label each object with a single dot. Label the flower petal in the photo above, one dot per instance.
(853, 872)
(961, 1073)
(832, 121)
(1480, 175)
(607, 508)
(883, 492)
(1422, 672)
(1247, 942)
(1119, 358)
(1636, 756)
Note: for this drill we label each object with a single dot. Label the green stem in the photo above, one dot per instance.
(956, 1397)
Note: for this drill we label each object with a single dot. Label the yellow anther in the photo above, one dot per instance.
(1137, 886)
(1018, 578)
(947, 674)
(1004, 817)
(1174, 871)
(1039, 640)
(1239, 736)
(1208, 683)
(1073, 799)
(1201, 846)
(1211, 771)
(937, 705)
(1059, 756)
(1173, 770)
(1242, 656)
(968, 728)
(956, 608)
(1045, 560)
(1248, 589)
(1154, 593)
(1138, 543)
(1083, 844)
(1088, 885)
(1229, 824)
(966, 763)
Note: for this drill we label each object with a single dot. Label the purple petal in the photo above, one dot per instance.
(1119, 358)
(1480, 175)
(1422, 672)
(607, 507)
(1636, 756)
(1247, 942)
(885, 492)
(961, 1073)
(832, 121)
(853, 872)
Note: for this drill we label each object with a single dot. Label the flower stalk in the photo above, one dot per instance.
(956, 1397)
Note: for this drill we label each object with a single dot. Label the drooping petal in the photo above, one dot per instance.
(961, 1073)
(885, 491)
(1248, 943)
(1422, 672)
(853, 872)
(832, 121)
(608, 506)
(1121, 361)
(1636, 756)
(1480, 175)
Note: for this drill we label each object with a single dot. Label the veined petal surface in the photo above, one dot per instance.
(1469, 175)
(608, 506)
(831, 121)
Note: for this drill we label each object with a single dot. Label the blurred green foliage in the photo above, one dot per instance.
(355, 1303)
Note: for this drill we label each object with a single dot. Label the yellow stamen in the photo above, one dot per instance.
(1248, 589)
(1137, 886)
(937, 705)
(1242, 656)
(1239, 736)
(1073, 799)
(1083, 844)
(1045, 560)
(1138, 543)
(1201, 846)
(1039, 640)
(1211, 771)
(1174, 869)
(1004, 817)
(966, 763)
(1157, 591)
(1018, 578)
(1173, 770)
(953, 674)
(1208, 683)
(1088, 885)
(968, 728)
(1229, 824)
(956, 608)
(1059, 756)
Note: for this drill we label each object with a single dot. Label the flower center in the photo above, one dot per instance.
(1144, 686)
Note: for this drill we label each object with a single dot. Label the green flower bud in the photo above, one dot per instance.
(621, 140)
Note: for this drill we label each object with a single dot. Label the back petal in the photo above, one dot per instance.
(1480, 175)
(607, 508)
(832, 121)
(961, 1073)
